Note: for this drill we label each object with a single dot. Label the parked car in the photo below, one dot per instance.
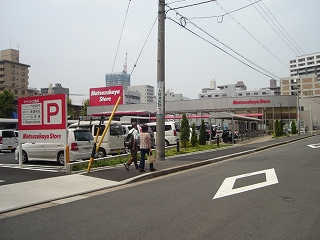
(80, 142)
(113, 142)
(172, 132)
(8, 140)
(208, 129)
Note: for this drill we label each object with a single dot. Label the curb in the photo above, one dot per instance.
(204, 162)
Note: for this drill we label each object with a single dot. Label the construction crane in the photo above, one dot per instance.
(125, 65)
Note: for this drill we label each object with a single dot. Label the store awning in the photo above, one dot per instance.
(231, 116)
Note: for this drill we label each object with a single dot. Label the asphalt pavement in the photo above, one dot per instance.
(25, 194)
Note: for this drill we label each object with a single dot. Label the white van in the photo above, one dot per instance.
(8, 140)
(172, 132)
(113, 142)
(80, 142)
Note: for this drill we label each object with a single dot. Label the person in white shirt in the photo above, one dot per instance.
(134, 149)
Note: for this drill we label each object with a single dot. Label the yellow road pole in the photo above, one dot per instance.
(67, 154)
(104, 133)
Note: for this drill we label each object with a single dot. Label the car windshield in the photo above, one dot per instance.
(8, 134)
(83, 136)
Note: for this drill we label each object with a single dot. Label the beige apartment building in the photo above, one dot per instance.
(308, 85)
(308, 89)
(14, 76)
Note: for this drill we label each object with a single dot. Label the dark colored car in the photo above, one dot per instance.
(208, 129)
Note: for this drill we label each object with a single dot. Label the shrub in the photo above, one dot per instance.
(184, 131)
(202, 134)
(194, 138)
(294, 127)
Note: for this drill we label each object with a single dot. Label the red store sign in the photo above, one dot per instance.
(254, 102)
(106, 96)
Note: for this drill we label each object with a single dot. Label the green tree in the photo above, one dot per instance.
(85, 107)
(294, 127)
(278, 127)
(7, 104)
(202, 134)
(184, 131)
(194, 138)
(70, 109)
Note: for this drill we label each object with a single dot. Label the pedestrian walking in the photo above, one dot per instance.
(145, 148)
(134, 148)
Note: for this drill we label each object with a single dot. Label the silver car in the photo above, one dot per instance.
(80, 142)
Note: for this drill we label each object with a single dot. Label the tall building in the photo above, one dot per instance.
(118, 79)
(14, 76)
(305, 65)
(146, 91)
(57, 89)
(308, 85)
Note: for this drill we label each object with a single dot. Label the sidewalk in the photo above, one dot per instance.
(20, 195)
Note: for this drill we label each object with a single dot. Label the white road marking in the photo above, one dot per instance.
(316, 145)
(35, 167)
(226, 189)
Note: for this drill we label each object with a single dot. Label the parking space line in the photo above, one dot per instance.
(35, 167)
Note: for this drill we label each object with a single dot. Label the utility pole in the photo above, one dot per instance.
(298, 109)
(161, 83)
(310, 107)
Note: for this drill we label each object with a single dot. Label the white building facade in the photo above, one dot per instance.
(146, 92)
(305, 65)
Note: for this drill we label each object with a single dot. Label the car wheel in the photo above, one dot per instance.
(166, 143)
(101, 153)
(60, 158)
(12, 150)
(24, 157)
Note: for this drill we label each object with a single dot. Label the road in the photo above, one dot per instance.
(275, 195)
(10, 172)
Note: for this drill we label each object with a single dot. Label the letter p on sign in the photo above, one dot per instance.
(52, 112)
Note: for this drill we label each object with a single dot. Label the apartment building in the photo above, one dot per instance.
(56, 89)
(14, 76)
(146, 91)
(305, 65)
(308, 85)
(232, 90)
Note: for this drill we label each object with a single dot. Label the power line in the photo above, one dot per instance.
(290, 26)
(294, 50)
(120, 36)
(264, 73)
(195, 4)
(134, 66)
(282, 27)
(221, 16)
(251, 35)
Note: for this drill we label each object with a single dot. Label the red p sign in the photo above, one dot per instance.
(52, 113)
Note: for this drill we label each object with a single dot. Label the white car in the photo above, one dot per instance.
(8, 140)
(80, 142)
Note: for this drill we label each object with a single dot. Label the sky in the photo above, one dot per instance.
(76, 42)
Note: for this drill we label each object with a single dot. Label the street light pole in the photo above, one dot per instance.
(281, 116)
(298, 110)
(311, 124)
